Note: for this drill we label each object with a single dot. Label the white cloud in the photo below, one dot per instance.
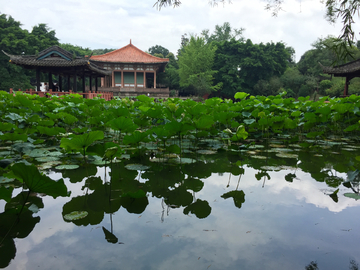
(112, 23)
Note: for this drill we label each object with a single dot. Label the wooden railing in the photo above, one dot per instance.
(87, 95)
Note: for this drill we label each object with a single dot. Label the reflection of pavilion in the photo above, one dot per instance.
(133, 72)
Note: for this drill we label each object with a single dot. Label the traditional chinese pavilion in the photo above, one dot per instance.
(57, 61)
(132, 71)
(349, 71)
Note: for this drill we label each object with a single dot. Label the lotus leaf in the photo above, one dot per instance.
(136, 167)
(67, 167)
(355, 196)
(76, 215)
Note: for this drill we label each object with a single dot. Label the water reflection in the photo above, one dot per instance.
(229, 210)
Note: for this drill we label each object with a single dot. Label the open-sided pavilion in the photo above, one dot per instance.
(349, 71)
(59, 62)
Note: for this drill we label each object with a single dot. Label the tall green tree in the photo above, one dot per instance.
(158, 51)
(195, 66)
(223, 33)
(13, 40)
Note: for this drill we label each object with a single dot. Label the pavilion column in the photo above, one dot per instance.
(68, 83)
(102, 81)
(96, 84)
(50, 82)
(60, 83)
(75, 83)
(113, 79)
(135, 80)
(122, 79)
(154, 79)
(90, 83)
(144, 79)
(83, 82)
(37, 79)
(346, 88)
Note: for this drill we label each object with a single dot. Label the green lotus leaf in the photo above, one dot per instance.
(286, 155)
(355, 196)
(46, 159)
(38, 182)
(76, 215)
(206, 152)
(136, 167)
(200, 208)
(237, 195)
(67, 167)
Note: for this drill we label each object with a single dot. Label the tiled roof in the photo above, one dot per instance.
(347, 68)
(129, 54)
(50, 63)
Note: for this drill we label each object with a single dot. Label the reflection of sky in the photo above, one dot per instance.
(280, 226)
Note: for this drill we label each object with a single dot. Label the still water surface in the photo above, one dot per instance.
(228, 210)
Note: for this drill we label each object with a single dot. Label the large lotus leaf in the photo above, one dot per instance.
(204, 122)
(110, 237)
(23, 147)
(136, 137)
(13, 137)
(5, 193)
(16, 227)
(237, 195)
(104, 200)
(4, 126)
(240, 95)
(179, 197)
(7, 251)
(199, 169)
(79, 142)
(50, 131)
(80, 204)
(134, 205)
(194, 184)
(200, 208)
(99, 149)
(240, 134)
(123, 124)
(176, 127)
(78, 174)
(37, 182)
(23, 198)
(93, 183)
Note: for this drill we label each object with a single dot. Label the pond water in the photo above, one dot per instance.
(282, 208)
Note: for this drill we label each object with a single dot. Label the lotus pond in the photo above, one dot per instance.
(263, 183)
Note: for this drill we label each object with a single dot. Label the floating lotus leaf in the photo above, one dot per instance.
(271, 168)
(286, 155)
(281, 150)
(38, 153)
(206, 152)
(5, 153)
(295, 145)
(46, 159)
(55, 154)
(251, 152)
(348, 149)
(136, 167)
(125, 156)
(49, 165)
(355, 196)
(75, 215)
(256, 146)
(4, 180)
(158, 160)
(67, 167)
(258, 157)
(182, 160)
(277, 145)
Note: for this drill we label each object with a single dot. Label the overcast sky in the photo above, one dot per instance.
(103, 24)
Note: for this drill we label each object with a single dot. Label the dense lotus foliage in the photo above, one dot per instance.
(139, 137)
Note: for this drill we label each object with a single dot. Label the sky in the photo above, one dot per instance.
(104, 24)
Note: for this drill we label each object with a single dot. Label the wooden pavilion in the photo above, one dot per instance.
(349, 71)
(57, 61)
(133, 72)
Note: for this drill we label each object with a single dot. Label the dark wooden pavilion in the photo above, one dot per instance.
(57, 61)
(349, 71)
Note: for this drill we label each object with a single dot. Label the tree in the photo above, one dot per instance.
(41, 38)
(76, 50)
(158, 50)
(195, 66)
(223, 33)
(344, 9)
(13, 40)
